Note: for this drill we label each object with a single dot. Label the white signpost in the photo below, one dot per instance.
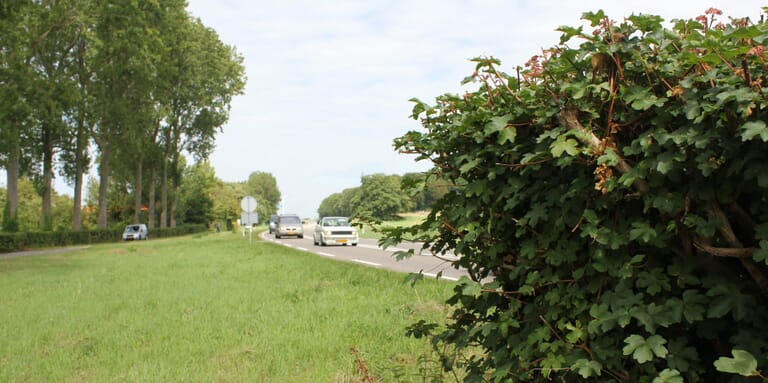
(249, 216)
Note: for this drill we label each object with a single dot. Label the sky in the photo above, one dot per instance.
(329, 81)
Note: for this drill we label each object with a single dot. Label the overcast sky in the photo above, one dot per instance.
(329, 81)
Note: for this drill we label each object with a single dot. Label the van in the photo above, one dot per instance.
(135, 232)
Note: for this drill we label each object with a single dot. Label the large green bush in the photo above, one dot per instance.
(610, 201)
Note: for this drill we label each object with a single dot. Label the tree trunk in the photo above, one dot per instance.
(164, 195)
(47, 215)
(80, 147)
(77, 207)
(174, 204)
(11, 221)
(81, 143)
(103, 186)
(152, 187)
(137, 193)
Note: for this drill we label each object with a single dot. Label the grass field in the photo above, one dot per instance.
(209, 308)
(406, 219)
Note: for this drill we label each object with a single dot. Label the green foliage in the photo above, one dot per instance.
(383, 197)
(144, 81)
(28, 213)
(196, 190)
(10, 223)
(263, 187)
(226, 202)
(742, 363)
(339, 204)
(610, 204)
(380, 197)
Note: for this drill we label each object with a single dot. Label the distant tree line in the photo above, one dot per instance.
(132, 87)
(203, 199)
(382, 196)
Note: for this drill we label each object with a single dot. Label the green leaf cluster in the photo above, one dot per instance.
(610, 204)
(141, 82)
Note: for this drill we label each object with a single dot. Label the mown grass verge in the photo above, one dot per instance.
(208, 308)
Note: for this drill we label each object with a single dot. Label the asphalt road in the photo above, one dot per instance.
(370, 254)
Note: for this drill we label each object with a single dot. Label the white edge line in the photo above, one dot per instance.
(416, 251)
(365, 262)
(392, 249)
(441, 277)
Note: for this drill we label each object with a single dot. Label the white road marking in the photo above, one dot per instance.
(449, 256)
(441, 277)
(374, 264)
(366, 262)
(390, 249)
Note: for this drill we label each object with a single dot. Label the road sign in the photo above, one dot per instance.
(249, 219)
(248, 204)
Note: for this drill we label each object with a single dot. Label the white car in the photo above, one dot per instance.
(135, 232)
(335, 231)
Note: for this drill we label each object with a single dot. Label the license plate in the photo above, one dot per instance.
(341, 240)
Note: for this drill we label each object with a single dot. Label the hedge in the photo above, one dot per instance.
(10, 242)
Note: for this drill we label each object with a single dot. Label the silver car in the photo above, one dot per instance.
(335, 231)
(289, 225)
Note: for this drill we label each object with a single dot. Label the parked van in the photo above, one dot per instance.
(135, 232)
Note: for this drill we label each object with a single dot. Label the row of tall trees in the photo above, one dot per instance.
(131, 86)
(382, 196)
(203, 199)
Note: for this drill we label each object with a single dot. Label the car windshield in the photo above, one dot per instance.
(132, 228)
(290, 220)
(335, 222)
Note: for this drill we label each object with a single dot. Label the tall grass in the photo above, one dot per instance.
(208, 308)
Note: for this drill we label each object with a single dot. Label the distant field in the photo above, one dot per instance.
(406, 219)
(210, 308)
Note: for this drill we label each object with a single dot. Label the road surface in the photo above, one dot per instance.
(370, 254)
